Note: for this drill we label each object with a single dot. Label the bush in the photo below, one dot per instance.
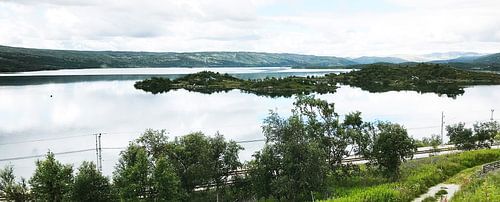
(441, 193)
(429, 199)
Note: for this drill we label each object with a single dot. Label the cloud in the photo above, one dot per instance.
(341, 28)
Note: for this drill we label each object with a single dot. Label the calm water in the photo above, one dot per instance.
(85, 102)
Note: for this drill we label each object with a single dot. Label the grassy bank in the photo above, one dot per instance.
(478, 188)
(417, 177)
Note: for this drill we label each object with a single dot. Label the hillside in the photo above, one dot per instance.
(14, 59)
(371, 60)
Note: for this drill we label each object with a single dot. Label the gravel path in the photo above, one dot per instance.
(450, 188)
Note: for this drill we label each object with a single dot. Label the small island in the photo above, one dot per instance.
(211, 82)
(423, 78)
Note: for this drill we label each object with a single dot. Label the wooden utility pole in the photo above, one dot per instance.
(98, 152)
(492, 110)
(442, 127)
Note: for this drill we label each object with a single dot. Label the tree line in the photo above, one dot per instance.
(302, 153)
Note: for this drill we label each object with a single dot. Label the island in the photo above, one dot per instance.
(211, 82)
(422, 78)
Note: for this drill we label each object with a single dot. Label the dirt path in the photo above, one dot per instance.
(450, 188)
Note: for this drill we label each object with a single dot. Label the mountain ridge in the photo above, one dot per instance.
(13, 59)
(18, 59)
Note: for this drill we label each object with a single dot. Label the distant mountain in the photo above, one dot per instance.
(13, 59)
(487, 62)
(444, 56)
(371, 60)
(464, 59)
(488, 59)
(451, 55)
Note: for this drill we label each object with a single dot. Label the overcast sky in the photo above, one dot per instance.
(320, 27)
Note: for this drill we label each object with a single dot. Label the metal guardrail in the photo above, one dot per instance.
(244, 171)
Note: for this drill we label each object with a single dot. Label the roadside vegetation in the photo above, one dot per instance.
(422, 78)
(305, 158)
(484, 188)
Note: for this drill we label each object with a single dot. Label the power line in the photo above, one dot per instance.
(250, 141)
(45, 139)
(42, 155)
(423, 127)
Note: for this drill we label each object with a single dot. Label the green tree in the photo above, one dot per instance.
(461, 137)
(91, 185)
(145, 171)
(224, 158)
(391, 146)
(338, 139)
(482, 136)
(131, 175)
(52, 180)
(294, 161)
(165, 181)
(497, 137)
(10, 189)
(484, 133)
(302, 150)
(155, 142)
(201, 160)
(263, 171)
(190, 156)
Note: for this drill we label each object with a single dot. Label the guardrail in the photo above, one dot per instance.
(244, 171)
(490, 167)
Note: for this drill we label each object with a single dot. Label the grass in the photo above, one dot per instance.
(417, 176)
(485, 188)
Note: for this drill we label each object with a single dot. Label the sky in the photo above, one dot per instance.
(342, 28)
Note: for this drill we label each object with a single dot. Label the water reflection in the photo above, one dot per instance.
(115, 107)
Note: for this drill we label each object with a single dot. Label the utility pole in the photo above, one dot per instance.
(442, 127)
(96, 151)
(100, 154)
(492, 110)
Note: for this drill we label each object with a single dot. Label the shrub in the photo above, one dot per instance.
(429, 199)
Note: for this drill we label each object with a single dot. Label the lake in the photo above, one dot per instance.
(60, 110)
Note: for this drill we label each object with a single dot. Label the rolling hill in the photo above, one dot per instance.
(13, 59)
(371, 60)
(489, 62)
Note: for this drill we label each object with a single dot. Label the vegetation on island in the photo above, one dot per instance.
(211, 82)
(422, 78)
(305, 158)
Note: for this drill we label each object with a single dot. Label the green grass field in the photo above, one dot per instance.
(417, 177)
